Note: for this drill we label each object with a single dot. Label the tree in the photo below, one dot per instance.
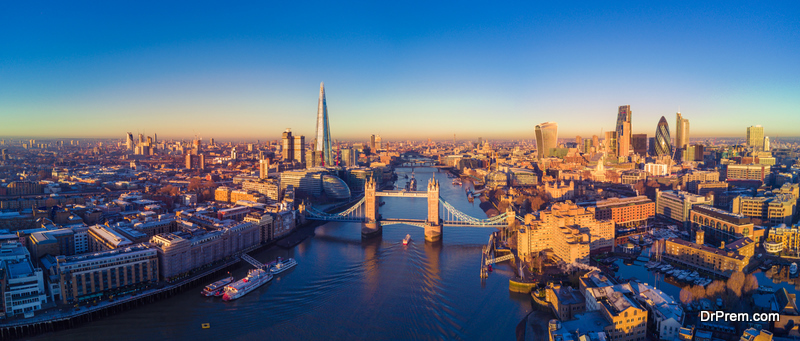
(685, 296)
(716, 288)
(736, 284)
(750, 284)
(698, 292)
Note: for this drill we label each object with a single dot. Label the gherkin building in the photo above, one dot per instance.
(663, 144)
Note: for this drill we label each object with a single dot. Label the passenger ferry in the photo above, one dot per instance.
(255, 278)
(216, 288)
(282, 265)
(407, 239)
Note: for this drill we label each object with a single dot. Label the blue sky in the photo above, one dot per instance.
(403, 70)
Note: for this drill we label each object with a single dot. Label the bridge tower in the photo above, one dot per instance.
(372, 226)
(433, 225)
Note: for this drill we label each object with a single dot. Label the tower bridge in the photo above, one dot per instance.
(440, 213)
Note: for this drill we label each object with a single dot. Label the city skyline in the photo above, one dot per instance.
(444, 76)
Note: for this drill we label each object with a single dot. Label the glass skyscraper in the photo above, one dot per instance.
(323, 140)
(546, 138)
(663, 144)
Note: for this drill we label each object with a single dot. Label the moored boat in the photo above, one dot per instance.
(793, 268)
(216, 288)
(282, 265)
(255, 278)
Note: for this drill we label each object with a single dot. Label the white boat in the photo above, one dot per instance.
(793, 268)
(682, 276)
(216, 288)
(282, 265)
(406, 239)
(255, 278)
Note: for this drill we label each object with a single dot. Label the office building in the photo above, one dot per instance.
(611, 143)
(783, 238)
(324, 143)
(182, 252)
(129, 141)
(263, 168)
(624, 118)
(102, 238)
(306, 183)
(546, 138)
(626, 212)
(378, 142)
(195, 161)
(91, 276)
(624, 143)
(663, 144)
(766, 144)
(755, 137)
(677, 205)
(300, 149)
(656, 169)
(682, 136)
(722, 225)
(639, 144)
(268, 187)
(721, 261)
(773, 210)
(22, 285)
(287, 144)
(747, 172)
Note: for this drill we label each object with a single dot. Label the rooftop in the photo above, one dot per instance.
(723, 215)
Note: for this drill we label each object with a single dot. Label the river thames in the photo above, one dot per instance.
(348, 288)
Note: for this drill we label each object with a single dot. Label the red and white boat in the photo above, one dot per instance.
(216, 288)
(255, 278)
(407, 239)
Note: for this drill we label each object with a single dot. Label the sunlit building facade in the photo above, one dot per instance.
(546, 138)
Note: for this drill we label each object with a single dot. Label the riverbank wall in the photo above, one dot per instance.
(55, 321)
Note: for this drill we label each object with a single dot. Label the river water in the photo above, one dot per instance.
(348, 288)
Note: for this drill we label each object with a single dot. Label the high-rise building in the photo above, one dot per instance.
(578, 140)
(372, 143)
(595, 142)
(755, 137)
(300, 149)
(263, 168)
(766, 143)
(639, 144)
(378, 142)
(682, 136)
(194, 161)
(624, 114)
(323, 143)
(288, 145)
(155, 138)
(624, 140)
(663, 145)
(129, 141)
(546, 138)
(611, 143)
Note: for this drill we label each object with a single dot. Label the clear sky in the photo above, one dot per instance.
(398, 69)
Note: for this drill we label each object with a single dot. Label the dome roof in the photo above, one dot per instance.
(335, 188)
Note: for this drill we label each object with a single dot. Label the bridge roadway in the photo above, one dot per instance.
(405, 194)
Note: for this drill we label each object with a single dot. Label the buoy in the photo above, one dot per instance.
(206, 325)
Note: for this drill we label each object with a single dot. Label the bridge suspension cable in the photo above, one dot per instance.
(456, 217)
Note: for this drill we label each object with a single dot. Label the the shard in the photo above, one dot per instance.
(323, 140)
